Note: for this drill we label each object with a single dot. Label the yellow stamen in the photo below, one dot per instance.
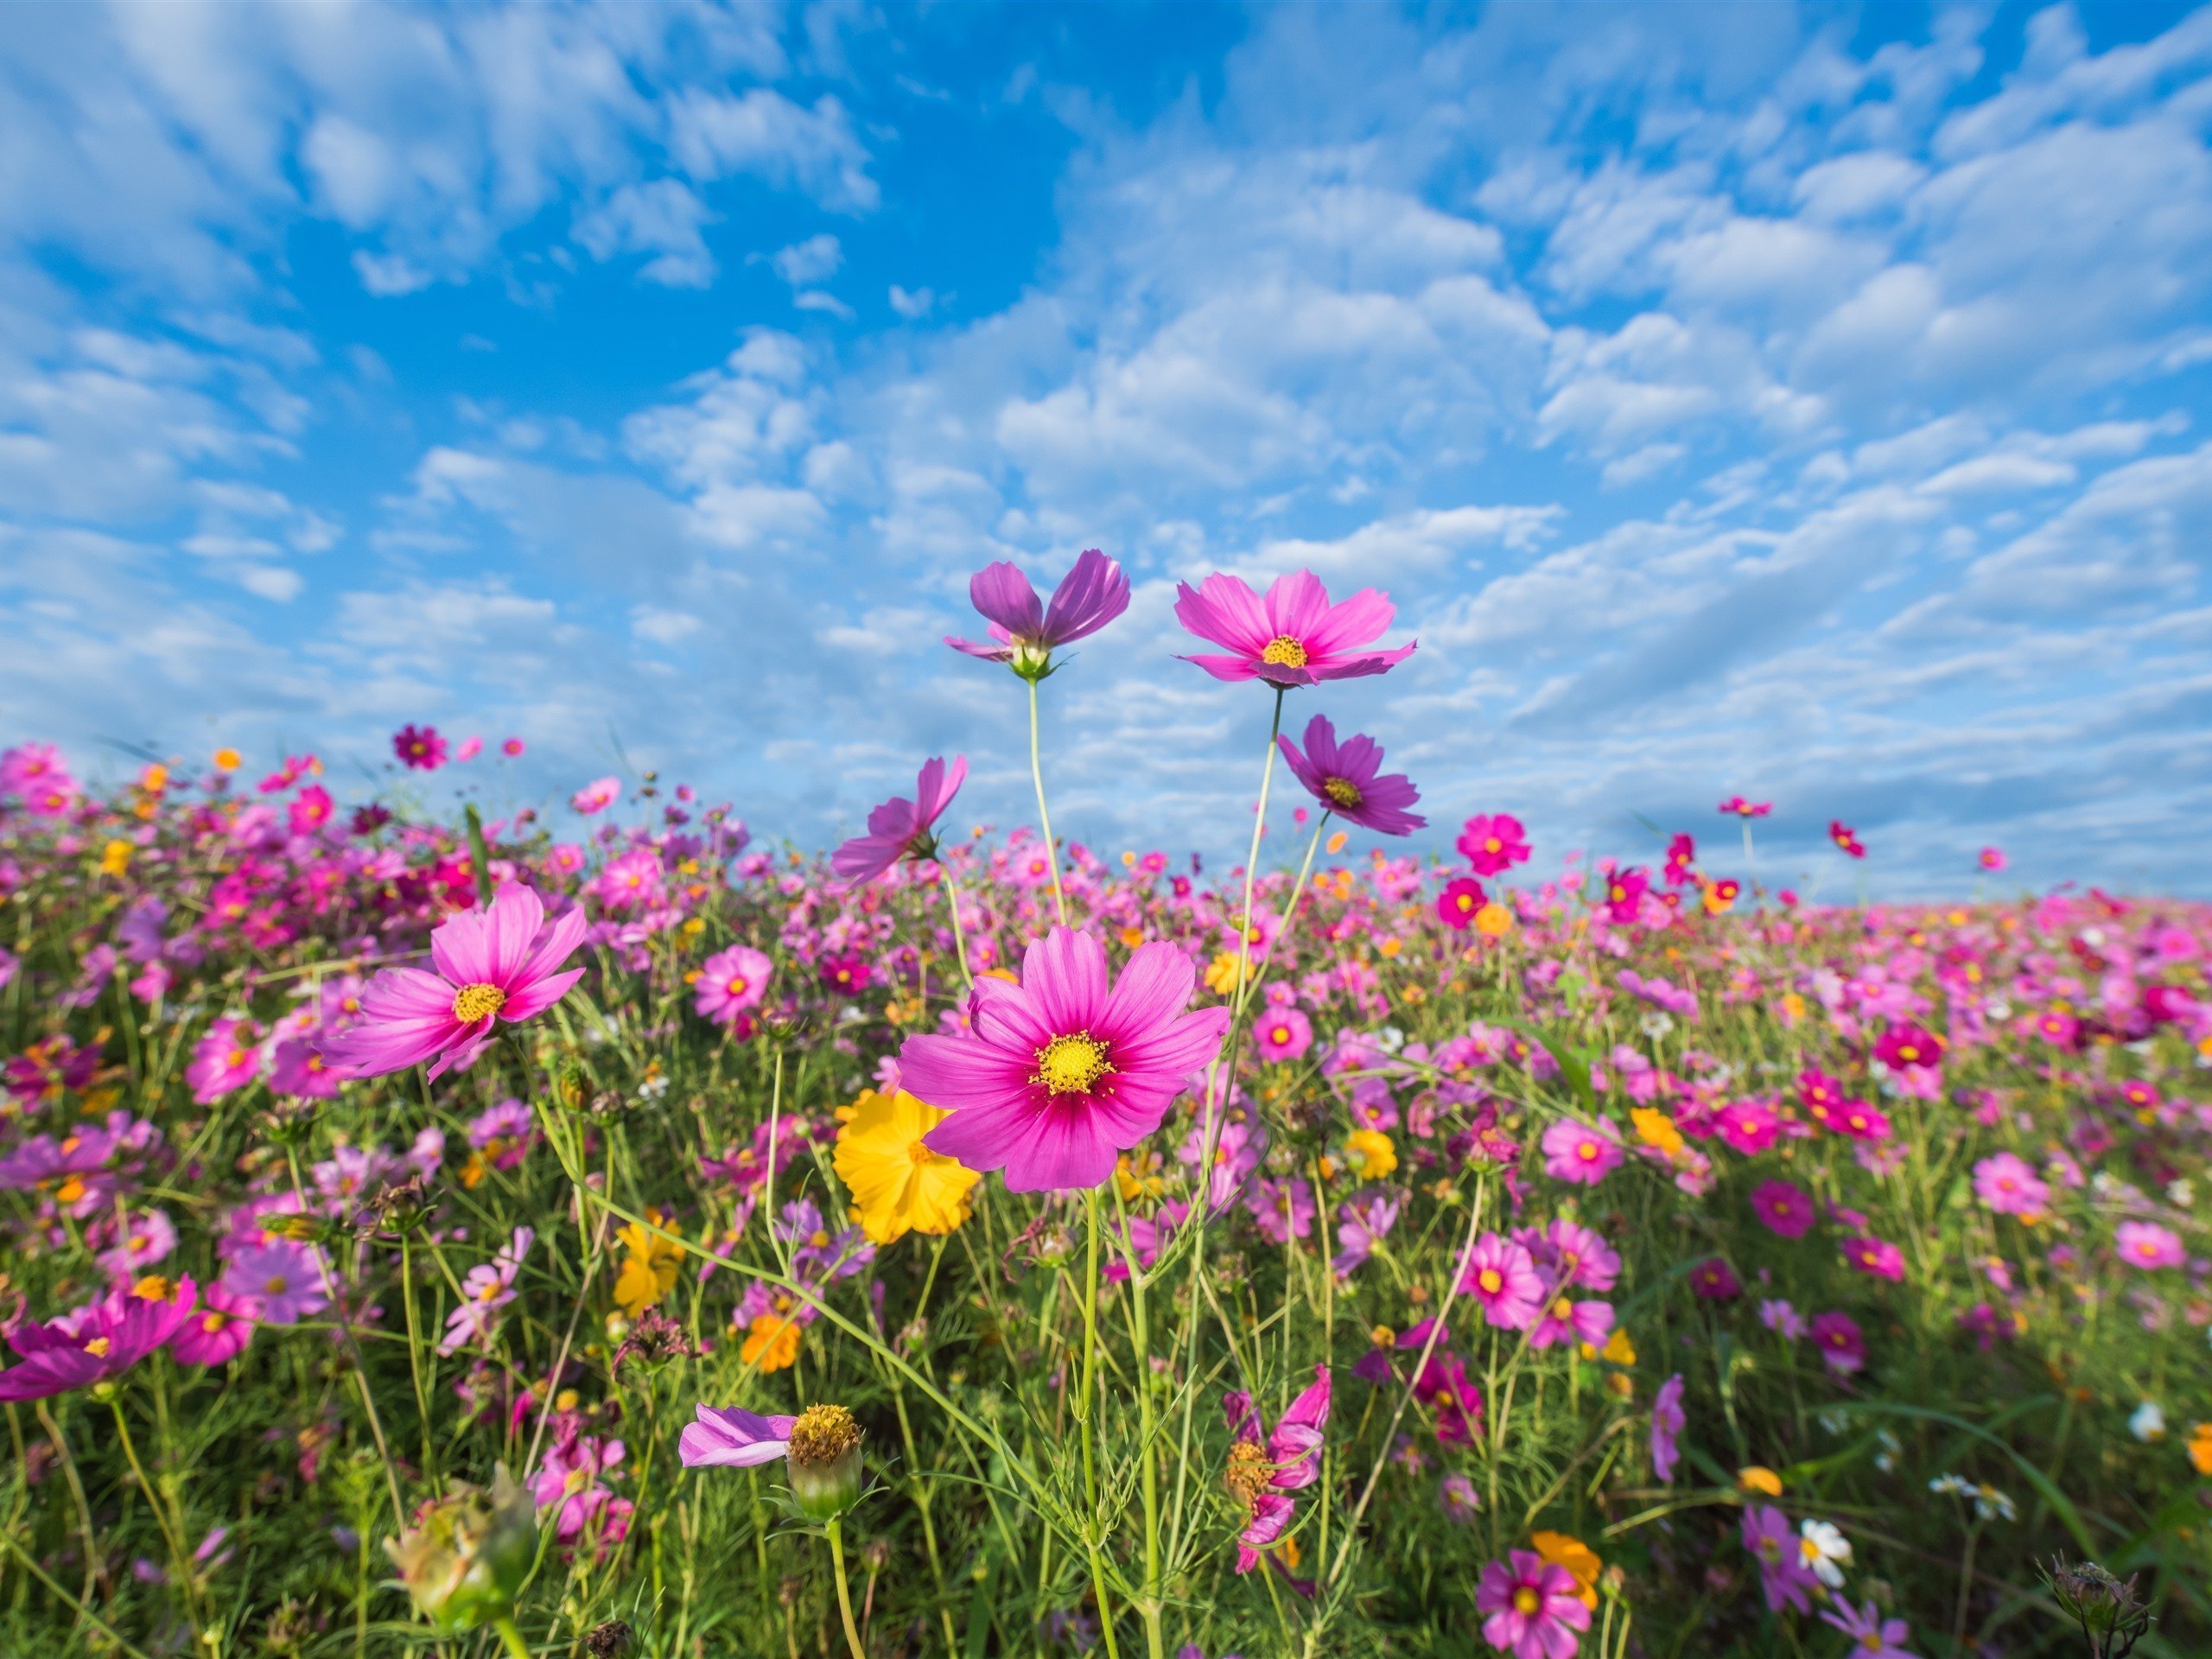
(97, 1347)
(1342, 791)
(1283, 652)
(474, 1002)
(1071, 1064)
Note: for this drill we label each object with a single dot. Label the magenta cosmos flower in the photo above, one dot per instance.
(492, 964)
(419, 747)
(1532, 1607)
(1785, 1207)
(2008, 1184)
(730, 981)
(1501, 1275)
(1056, 1076)
(730, 1437)
(1668, 1423)
(900, 828)
(1576, 1152)
(1025, 633)
(1264, 1468)
(1342, 777)
(100, 1340)
(1493, 842)
(1293, 636)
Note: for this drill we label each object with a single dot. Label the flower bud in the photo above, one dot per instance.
(2104, 1606)
(824, 1461)
(613, 1640)
(469, 1553)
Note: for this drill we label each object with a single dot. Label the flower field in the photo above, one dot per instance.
(595, 1231)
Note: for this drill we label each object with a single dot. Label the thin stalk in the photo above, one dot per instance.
(1148, 1604)
(1093, 1539)
(1043, 815)
(952, 902)
(510, 1637)
(835, 1533)
(180, 1558)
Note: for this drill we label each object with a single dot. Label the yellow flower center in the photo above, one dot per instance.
(474, 1002)
(1526, 1600)
(1248, 1469)
(152, 1288)
(919, 1153)
(211, 1323)
(1342, 791)
(1562, 1309)
(1491, 1280)
(1284, 652)
(822, 1435)
(1071, 1064)
(277, 1285)
(737, 986)
(97, 1347)
(1492, 844)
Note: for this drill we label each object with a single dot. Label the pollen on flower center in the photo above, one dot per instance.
(822, 1435)
(1526, 1600)
(474, 1002)
(1342, 791)
(97, 1347)
(1248, 1469)
(1283, 652)
(1491, 1280)
(1071, 1064)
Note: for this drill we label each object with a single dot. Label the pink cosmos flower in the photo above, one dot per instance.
(419, 747)
(1493, 843)
(284, 1281)
(218, 1331)
(1532, 1607)
(489, 1286)
(1744, 809)
(900, 828)
(1992, 858)
(470, 749)
(492, 964)
(1024, 633)
(1846, 838)
(97, 1341)
(512, 748)
(1501, 1275)
(1283, 1033)
(1877, 1257)
(1569, 1320)
(1785, 1208)
(730, 981)
(1058, 1075)
(1293, 636)
(2147, 1245)
(1774, 1545)
(1459, 901)
(1264, 1468)
(1575, 1256)
(309, 810)
(1909, 1044)
(1667, 1425)
(1843, 1350)
(225, 1060)
(1714, 1280)
(730, 1437)
(2009, 1185)
(1343, 779)
(1871, 1636)
(1751, 1126)
(1575, 1152)
(597, 796)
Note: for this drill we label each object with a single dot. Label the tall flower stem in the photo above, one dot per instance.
(1156, 1646)
(180, 1558)
(1044, 814)
(835, 1531)
(1252, 858)
(1093, 1535)
(510, 1637)
(952, 903)
(414, 1358)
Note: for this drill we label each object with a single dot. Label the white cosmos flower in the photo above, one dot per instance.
(1825, 1550)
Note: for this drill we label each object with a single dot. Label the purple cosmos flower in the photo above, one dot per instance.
(900, 828)
(419, 747)
(1502, 1276)
(489, 1286)
(1343, 779)
(1532, 1607)
(1843, 1350)
(1713, 1280)
(1576, 1152)
(1283, 1033)
(1058, 1076)
(1293, 637)
(1361, 1225)
(1667, 1425)
(100, 1340)
(492, 964)
(1024, 633)
(729, 1437)
(2147, 1245)
(2008, 1186)
(1774, 1543)
(730, 982)
(1779, 1317)
(1871, 1636)
(1264, 1468)
(218, 1331)
(283, 1280)
(1785, 1208)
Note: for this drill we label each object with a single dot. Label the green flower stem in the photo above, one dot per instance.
(1149, 1603)
(180, 1558)
(1093, 1538)
(952, 903)
(1043, 815)
(510, 1638)
(835, 1531)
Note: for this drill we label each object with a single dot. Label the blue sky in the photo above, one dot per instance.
(1812, 403)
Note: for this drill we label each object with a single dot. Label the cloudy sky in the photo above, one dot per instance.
(1815, 404)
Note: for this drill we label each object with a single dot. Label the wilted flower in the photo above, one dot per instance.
(469, 1553)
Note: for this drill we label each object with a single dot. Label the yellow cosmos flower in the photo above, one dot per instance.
(898, 1185)
(228, 759)
(1493, 921)
(648, 1268)
(1376, 1156)
(1655, 1128)
(1576, 1557)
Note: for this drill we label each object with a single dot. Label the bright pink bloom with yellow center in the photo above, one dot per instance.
(97, 1341)
(1532, 1607)
(1058, 1075)
(1292, 637)
(730, 981)
(492, 964)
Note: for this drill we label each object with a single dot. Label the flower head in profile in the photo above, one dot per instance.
(1342, 777)
(1024, 631)
(1744, 809)
(1667, 1425)
(899, 1185)
(820, 1447)
(1846, 838)
(493, 963)
(98, 1341)
(1532, 1608)
(1264, 1468)
(1058, 1075)
(469, 1553)
(900, 828)
(1292, 637)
